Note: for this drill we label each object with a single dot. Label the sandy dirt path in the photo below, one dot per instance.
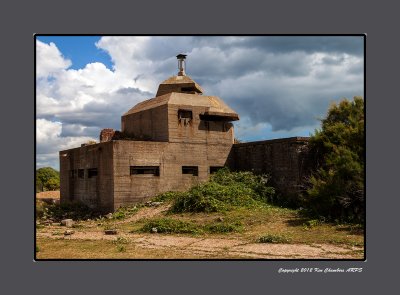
(224, 247)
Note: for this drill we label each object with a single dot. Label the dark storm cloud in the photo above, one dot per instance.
(286, 104)
(309, 44)
(205, 51)
(164, 47)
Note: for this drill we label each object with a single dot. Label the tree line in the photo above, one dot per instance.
(47, 179)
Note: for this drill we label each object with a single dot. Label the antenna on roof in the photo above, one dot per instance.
(181, 64)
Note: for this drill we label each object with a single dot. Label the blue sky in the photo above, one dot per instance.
(81, 50)
(279, 85)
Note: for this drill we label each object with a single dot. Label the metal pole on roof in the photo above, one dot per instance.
(181, 64)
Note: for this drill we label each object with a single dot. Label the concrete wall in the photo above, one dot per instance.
(97, 191)
(151, 124)
(168, 127)
(170, 157)
(197, 131)
(287, 160)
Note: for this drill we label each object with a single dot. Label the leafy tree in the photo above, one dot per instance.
(53, 184)
(47, 178)
(337, 187)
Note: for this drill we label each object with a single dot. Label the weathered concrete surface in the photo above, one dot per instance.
(286, 160)
(75, 184)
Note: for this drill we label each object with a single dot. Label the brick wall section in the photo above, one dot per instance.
(287, 160)
(106, 134)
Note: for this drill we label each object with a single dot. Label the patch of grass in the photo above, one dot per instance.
(57, 233)
(125, 212)
(169, 226)
(224, 227)
(121, 240)
(108, 226)
(357, 229)
(274, 239)
(120, 244)
(312, 223)
(37, 249)
(174, 226)
(121, 248)
(77, 225)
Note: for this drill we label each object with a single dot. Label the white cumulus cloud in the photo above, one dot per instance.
(49, 60)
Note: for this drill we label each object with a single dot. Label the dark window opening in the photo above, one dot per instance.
(72, 173)
(216, 126)
(92, 172)
(81, 173)
(152, 170)
(191, 90)
(185, 116)
(194, 170)
(214, 169)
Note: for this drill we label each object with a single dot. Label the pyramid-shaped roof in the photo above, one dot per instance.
(179, 84)
(213, 105)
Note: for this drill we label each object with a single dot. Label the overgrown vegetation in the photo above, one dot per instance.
(47, 179)
(224, 191)
(57, 212)
(336, 189)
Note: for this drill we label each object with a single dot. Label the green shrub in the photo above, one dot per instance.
(274, 239)
(225, 190)
(196, 200)
(336, 189)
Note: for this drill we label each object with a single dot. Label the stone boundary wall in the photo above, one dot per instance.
(287, 160)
